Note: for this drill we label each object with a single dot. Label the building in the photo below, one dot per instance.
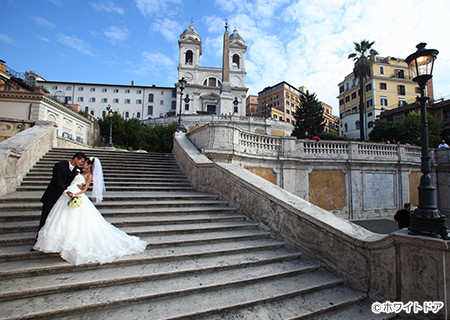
(251, 106)
(331, 121)
(280, 101)
(141, 102)
(21, 99)
(389, 87)
(204, 85)
(439, 109)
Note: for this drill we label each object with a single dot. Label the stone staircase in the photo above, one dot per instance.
(204, 260)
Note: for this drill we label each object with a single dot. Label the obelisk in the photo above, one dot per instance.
(226, 99)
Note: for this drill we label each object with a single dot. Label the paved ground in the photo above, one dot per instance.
(385, 225)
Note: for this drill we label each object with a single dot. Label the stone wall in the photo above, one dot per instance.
(356, 180)
(398, 267)
(10, 127)
(19, 153)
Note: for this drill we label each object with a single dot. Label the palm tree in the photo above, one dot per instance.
(362, 70)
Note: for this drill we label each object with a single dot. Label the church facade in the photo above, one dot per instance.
(205, 88)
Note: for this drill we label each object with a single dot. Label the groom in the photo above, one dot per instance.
(63, 174)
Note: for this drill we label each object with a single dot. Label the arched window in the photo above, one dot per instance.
(138, 115)
(357, 124)
(150, 110)
(92, 112)
(150, 97)
(103, 114)
(127, 114)
(236, 61)
(189, 57)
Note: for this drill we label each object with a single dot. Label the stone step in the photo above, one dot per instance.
(35, 215)
(145, 269)
(112, 179)
(159, 249)
(137, 188)
(130, 220)
(117, 183)
(35, 196)
(258, 283)
(14, 238)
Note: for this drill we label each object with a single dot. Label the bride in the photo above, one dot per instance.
(79, 232)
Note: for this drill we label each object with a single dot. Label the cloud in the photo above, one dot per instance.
(43, 22)
(169, 28)
(5, 38)
(157, 63)
(44, 39)
(107, 7)
(156, 7)
(75, 43)
(116, 34)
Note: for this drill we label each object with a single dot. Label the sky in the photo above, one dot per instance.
(302, 42)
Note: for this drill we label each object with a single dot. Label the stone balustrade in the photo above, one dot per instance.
(356, 180)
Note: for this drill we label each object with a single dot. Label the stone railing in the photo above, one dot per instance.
(397, 267)
(239, 141)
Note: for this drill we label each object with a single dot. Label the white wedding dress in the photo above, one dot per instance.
(81, 235)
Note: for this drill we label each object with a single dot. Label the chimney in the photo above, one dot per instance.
(132, 83)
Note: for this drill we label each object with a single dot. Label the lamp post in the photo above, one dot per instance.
(182, 86)
(426, 219)
(110, 114)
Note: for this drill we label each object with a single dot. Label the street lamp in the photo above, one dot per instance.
(110, 114)
(182, 86)
(426, 219)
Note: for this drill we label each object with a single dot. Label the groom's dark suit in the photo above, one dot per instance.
(61, 179)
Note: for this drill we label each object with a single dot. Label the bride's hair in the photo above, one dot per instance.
(98, 182)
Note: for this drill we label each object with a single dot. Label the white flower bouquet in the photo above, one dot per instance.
(75, 202)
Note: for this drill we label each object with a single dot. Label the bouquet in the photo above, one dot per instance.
(75, 202)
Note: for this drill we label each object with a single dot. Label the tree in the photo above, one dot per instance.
(362, 70)
(308, 116)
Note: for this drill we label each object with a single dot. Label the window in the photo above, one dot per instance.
(353, 95)
(80, 99)
(174, 105)
(68, 88)
(161, 102)
(401, 102)
(186, 106)
(127, 114)
(368, 87)
(116, 90)
(127, 90)
(92, 112)
(162, 93)
(104, 113)
(212, 82)
(381, 70)
(150, 97)
(138, 115)
(369, 114)
(127, 101)
(115, 100)
(383, 86)
(138, 92)
(417, 89)
(104, 100)
(92, 100)
(54, 87)
(370, 124)
(86, 110)
(138, 101)
(92, 90)
(150, 110)
(400, 73)
(104, 90)
(236, 61)
(347, 98)
(346, 127)
(384, 101)
(174, 93)
(354, 109)
(401, 89)
(357, 124)
(68, 99)
(369, 103)
(341, 102)
(189, 57)
(80, 88)
(341, 89)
